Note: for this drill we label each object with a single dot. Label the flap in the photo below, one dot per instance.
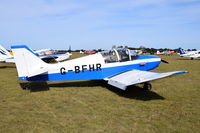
(136, 76)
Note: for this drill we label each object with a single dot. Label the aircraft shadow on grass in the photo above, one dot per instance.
(136, 92)
(132, 92)
(7, 67)
(35, 86)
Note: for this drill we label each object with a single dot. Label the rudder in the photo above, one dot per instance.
(27, 62)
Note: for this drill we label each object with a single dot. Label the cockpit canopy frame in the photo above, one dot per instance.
(118, 55)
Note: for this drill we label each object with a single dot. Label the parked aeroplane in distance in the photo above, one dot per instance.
(5, 56)
(89, 52)
(58, 56)
(165, 53)
(190, 54)
(120, 67)
(45, 54)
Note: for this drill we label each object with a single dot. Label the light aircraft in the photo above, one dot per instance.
(190, 54)
(165, 53)
(81, 52)
(45, 54)
(5, 56)
(120, 67)
(89, 52)
(50, 53)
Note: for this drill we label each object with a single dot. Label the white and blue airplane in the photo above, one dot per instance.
(5, 56)
(52, 54)
(120, 67)
(190, 54)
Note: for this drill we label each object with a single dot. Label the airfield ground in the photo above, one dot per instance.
(89, 106)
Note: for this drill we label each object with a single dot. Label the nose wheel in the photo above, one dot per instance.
(147, 86)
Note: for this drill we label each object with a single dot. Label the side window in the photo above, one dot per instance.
(123, 55)
(110, 56)
(113, 56)
(133, 55)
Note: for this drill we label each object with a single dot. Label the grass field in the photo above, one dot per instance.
(173, 106)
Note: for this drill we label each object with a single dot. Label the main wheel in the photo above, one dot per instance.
(147, 86)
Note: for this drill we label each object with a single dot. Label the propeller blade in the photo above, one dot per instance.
(164, 61)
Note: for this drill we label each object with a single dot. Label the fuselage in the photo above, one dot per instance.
(94, 67)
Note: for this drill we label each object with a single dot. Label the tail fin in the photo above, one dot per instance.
(27, 62)
(4, 53)
(181, 51)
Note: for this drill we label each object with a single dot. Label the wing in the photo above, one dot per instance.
(136, 76)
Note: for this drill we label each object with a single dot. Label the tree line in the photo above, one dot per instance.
(144, 49)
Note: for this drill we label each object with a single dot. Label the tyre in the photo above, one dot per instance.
(147, 86)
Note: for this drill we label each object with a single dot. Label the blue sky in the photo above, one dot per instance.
(97, 24)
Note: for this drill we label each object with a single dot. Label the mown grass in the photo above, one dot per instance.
(93, 106)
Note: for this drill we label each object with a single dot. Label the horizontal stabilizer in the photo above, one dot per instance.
(136, 76)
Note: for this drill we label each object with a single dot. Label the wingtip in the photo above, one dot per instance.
(182, 72)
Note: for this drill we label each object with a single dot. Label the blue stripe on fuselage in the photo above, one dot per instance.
(140, 57)
(95, 75)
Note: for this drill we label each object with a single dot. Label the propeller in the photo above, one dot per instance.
(164, 61)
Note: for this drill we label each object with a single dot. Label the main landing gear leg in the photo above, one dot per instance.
(147, 86)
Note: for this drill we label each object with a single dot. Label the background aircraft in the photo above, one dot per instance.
(45, 54)
(165, 53)
(191, 54)
(120, 67)
(50, 53)
(5, 56)
(89, 52)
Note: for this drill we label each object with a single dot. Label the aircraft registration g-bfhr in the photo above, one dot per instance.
(120, 67)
